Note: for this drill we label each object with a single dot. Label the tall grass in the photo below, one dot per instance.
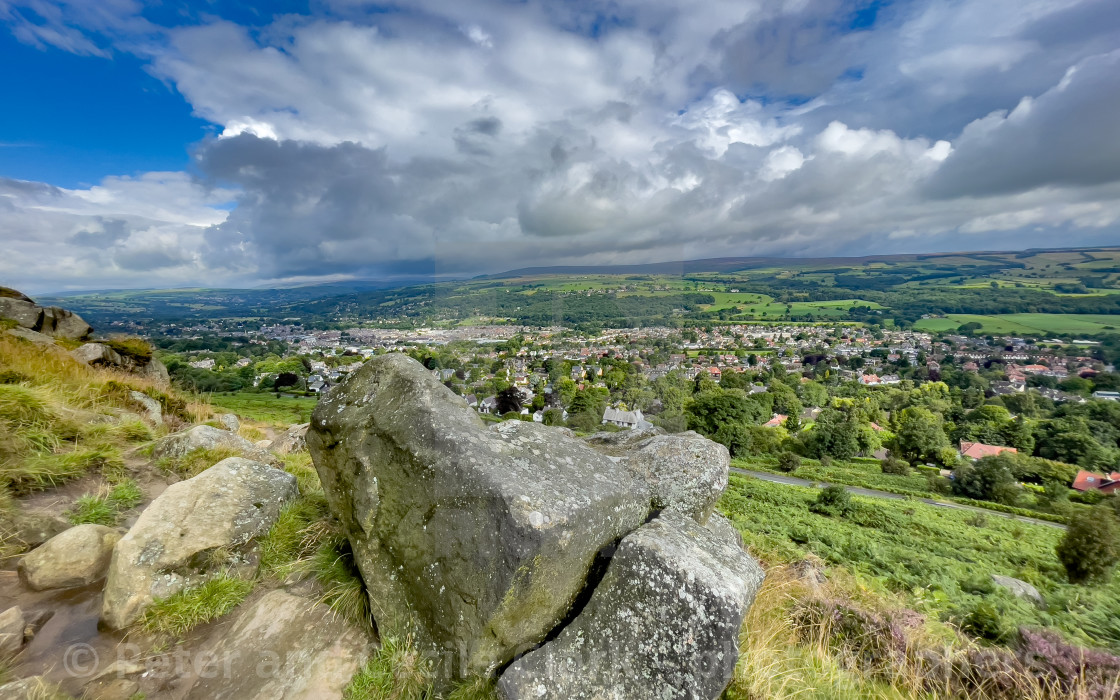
(180, 613)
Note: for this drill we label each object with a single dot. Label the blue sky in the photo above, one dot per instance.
(185, 143)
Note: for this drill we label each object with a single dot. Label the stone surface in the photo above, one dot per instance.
(724, 529)
(76, 557)
(110, 689)
(12, 624)
(153, 411)
(30, 689)
(31, 336)
(156, 371)
(229, 422)
(621, 443)
(97, 354)
(171, 546)
(285, 647)
(476, 540)
(49, 320)
(686, 472)
(663, 623)
(1020, 589)
(33, 528)
(294, 439)
(209, 438)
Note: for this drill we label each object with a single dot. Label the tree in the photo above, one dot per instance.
(832, 501)
(919, 434)
(710, 410)
(1091, 545)
(989, 479)
(788, 462)
(509, 400)
(836, 433)
(893, 465)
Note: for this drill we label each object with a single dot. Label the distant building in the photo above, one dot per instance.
(978, 450)
(776, 421)
(1107, 395)
(1105, 483)
(623, 419)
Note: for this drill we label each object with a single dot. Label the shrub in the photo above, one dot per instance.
(1091, 545)
(986, 621)
(987, 480)
(789, 462)
(832, 501)
(893, 465)
(825, 461)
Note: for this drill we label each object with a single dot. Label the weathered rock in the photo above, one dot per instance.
(621, 443)
(1020, 589)
(110, 689)
(153, 411)
(229, 422)
(207, 437)
(686, 472)
(29, 688)
(156, 371)
(172, 545)
(724, 529)
(294, 439)
(12, 624)
(97, 354)
(477, 540)
(663, 622)
(33, 528)
(76, 557)
(49, 320)
(285, 648)
(32, 336)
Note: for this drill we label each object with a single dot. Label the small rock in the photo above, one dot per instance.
(663, 622)
(97, 354)
(284, 647)
(152, 409)
(12, 624)
(76, 557)
(227, 507)
(1020, 589)
(33, 528)
(294, 439)
(110, 689)
(229, 421)
(30, 688)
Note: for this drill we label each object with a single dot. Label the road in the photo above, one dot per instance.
(872, 493)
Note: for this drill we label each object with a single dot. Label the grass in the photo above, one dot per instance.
(937, 560)
(397, 670)
(266, 408)
(1026, 324)
(105, 508)
(180, 613)
(196, 461)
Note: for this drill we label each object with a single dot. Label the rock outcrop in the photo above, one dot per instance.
(12, 624)
(75, 557)
(97, 354)
(662, 623)
(1019, 589)
(48, 320)
(175, 540)
(478, 541)
(153, 410)
(207, 437)
(229, 422)
(284, 647)
(686, 473)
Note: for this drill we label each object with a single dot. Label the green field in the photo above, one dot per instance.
(1025, 324)
(267, 408)
(938, 559)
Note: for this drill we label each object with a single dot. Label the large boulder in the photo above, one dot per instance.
(663, 622)
(174, 541)
(97, 354)
(294, 439)
(154, 370)
(686, 472)
(49, 320)
(478, 541)
(284, 647)
(207, 437)
(76, 557)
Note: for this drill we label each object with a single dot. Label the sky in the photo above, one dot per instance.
(216, 143)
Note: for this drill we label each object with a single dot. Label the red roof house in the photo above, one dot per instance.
(978, 450)
(1105, 483)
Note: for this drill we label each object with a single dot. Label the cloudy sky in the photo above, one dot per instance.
(210, 143)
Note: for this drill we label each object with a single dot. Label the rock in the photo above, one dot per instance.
(1020, 589)
(31, 689)
(810, 571)
(97, 354)
(49, 320)
(226, 508)
(294, 439)
(306, 651)
(229, 421)
(620, 443)
(110, 689)
(207, 437)
(725, 529)
(686, 472)
(156, 371)
(153, 410)
(12, 624)
(31, 336)
(477, 541)
(33, 528)
(663, 623)
(76, 557)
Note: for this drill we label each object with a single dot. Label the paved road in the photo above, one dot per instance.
(859, 491)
